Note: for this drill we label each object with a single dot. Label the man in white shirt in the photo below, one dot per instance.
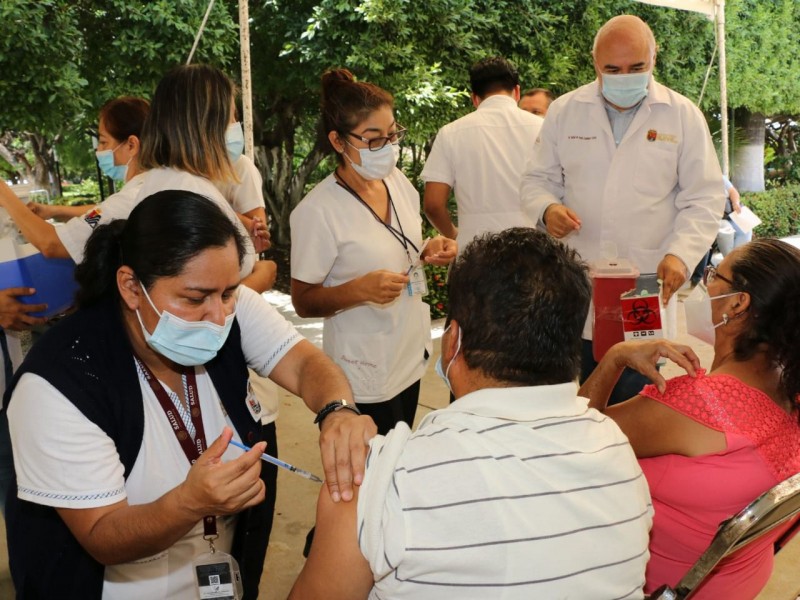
(516, 490)
(482, 156)
(626, 165)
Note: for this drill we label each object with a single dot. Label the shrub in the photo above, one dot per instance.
(778, 209)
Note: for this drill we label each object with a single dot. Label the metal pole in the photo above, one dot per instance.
(723, 84)
(247, 86)
(199, 33)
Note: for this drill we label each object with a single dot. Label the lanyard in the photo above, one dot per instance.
(398, 234)
(191, 448)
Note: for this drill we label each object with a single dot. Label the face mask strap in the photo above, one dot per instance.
(458, 349)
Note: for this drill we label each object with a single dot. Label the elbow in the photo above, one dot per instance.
(53, 249)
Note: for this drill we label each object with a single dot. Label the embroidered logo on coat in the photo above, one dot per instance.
(652, 135)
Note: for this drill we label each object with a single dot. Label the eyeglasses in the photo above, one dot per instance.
(710, 274)
(377, 143)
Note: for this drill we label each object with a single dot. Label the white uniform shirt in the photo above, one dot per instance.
(659, 192)
(246, 195)
(74, 233)
(509, 492)
(336, 239)
(157, 180)
(482, 157)
(71, 463)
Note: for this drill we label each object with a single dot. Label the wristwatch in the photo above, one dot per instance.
(334, 406)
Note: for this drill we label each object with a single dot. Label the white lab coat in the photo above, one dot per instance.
(659, 192)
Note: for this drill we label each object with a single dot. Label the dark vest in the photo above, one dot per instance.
(88, 358)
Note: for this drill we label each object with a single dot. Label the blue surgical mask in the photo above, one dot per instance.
(105, 160)
(625, 91)
(234, 141)
(438, 367)
(188, 343)
(376, 165)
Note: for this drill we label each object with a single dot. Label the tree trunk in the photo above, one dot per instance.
(44, 167)
(283, 183)
(15, 156)
(748, 157)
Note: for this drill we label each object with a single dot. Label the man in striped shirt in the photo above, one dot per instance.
(517, 489)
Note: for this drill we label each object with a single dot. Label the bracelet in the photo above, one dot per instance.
(334, 406)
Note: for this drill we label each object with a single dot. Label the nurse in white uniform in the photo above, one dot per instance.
(358, 254)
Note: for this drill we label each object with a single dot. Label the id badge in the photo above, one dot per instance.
(217, 576)
(253, 405)
(417, 282)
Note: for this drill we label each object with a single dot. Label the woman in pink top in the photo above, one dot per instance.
(710, 443)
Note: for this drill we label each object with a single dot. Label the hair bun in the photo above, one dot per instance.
(334, 77)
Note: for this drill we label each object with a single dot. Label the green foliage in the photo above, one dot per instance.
(778, 209)
(85, 192)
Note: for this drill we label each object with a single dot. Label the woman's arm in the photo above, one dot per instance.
(315, 300)
(262, 277)
(36, 230)
(122, 532)
(60, 211)
(652, 428)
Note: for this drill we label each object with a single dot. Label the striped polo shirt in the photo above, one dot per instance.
(507, 493)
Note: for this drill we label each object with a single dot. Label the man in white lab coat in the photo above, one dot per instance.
(626, 163)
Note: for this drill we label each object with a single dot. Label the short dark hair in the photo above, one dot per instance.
(521, 299)
(532, 92)
(769, 270)
(491, 75)
(162, 233)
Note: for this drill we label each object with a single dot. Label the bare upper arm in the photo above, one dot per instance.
(335, 569)
(654, 429)
(436, 195)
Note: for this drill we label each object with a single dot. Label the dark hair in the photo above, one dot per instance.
(189, 114)
(521, 298)
(493, 75)
(124, 117)
(547, 94)
(769, 270)
(346, 102)
(163, 232)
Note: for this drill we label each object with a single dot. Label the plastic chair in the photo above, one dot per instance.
(771, 509)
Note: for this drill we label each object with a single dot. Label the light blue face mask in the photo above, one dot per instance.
(188, 343)
(438, 366)
(105, 160)
(625, 91)
(234, 141)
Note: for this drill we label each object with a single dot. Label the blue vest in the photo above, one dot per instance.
(88, 358)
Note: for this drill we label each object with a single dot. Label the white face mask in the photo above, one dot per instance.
(625, 91)
(378, 164)
(697, 306)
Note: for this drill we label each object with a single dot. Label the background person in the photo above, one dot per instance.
(536, 101)
(710, 443)
(482, 156)
(119, 141)
(127, 519)
(357, 245)
(511, 490)
(625, 161)
(185, 146)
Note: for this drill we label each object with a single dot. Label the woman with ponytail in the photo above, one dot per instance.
(358, 254)
(710, 443)
(122, 413)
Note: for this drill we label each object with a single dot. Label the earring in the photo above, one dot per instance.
(725, 318)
